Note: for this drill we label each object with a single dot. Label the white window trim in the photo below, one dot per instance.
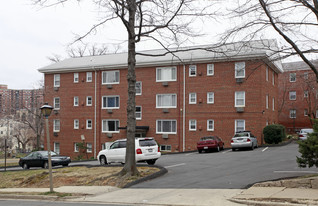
(111, 82)
(267, 73)
(54, 103)
(195, 98)
(195, 125)
(89, 149)
(207, 125)
(87, 104)
(55, 76)
(76, 74)
(235, 126)
(236, 98)
(76, 148)
(165, 106)
(140, 113)
(87, 126)
(207, 98)
(89, 80)
(273, 104)
(243, 76)
(74, 102)
(290, 77)
(111, 107)
(108, 121)
(290, 114)
(138, 94)
(291, 95)
(267, 101)
(306, 112)
(76, 126)
(166, 80)
(54, 145)
(273, 78)
(195, 70)
(157, 132)
(212, 69)
(306, 94)
(54, 122)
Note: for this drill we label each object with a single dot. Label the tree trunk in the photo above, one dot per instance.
(130, 168)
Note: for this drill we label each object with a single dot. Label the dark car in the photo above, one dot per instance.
(209, 143)
(40, 159)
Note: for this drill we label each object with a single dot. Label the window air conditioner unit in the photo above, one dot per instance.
(55, 134)
(165, 136)
(165, 110)
(56, 88)
(165, 84)
(239, 109)
(109, 111)
(239, 80)
(109, 135)
(109, 86)
(56, 111)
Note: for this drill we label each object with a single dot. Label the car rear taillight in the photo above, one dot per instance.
(301, 135)
(138, 151)
(158, 149)
(248, 140)
(232, 141)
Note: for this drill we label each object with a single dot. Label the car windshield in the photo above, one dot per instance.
(306, 131)
(241, 134)
(45, 153)
(147, 142)
(207, 138)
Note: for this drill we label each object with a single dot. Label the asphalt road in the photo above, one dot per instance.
(46, 203)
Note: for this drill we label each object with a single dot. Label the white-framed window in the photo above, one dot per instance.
(273, 78)
(317, 113)
(306, 94)
(89, 101)
(240, 99)
(239, 125)
(110, 125)
(192, 125)
(239, 69)
(57, 147)
(292, 95)
(292, 113)
(56, 103)
(110, 77)
(273, 104)
(89, 148)
(138, 88)
(76, 124)
(76, 77)
(210, 69)
(192, 98)
(89, 124)
(266, 73)
(306, 112)
(76, 101)
(210, 97)
(166, 101)
(306, 75)
(164, 74)
(110, 102)
(165, 147)
(56, 125)
(267, 101)
(166, 126)
(57, 80)
(292, 77)
(192, 70)
(210, 125)
(138, 112)
(76, 147)
(89, 76)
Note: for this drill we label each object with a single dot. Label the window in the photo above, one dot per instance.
(166, 127)
(192, 70)
(76, 101)
(316, 113)
(57, 80)
(210, 125)
(292, 77)
(239, 99)
(239, 125)
(306, 75)
(89, 148)
(89, 76)
(165, 147)
(192, 98)
(76, 77)
(192, 125)
(166, 74)
(110, 125)
(56, 125)
(210, 97)
(138, 112)
(210, 69)
(239, 69)
(306, 94)
(292, 113)
(110, 102)
(166, 100)
(266, 101)
(273, 78)
(57, 147)
(292, 95)
(110, 77)
(76, 124)
(273, 104)
(76, 147)
(306, 112)
(89, 101)
(88, 124)
(138, 88)
(266, 73)
(56, 103)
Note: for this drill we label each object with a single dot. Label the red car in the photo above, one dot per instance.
(209, 143)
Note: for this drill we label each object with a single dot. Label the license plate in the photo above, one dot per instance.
(205, 148)
(149, 150)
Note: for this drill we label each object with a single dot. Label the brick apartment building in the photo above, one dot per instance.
(178, 100)
(298, 99)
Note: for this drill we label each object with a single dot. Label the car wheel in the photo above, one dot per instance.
(103, 160)
(25, 166)
(218, 149)
(222, 148)
(252, 147)
(65, 165)
(200, 150)
(233, 149)
(151, 162)
(46, 165)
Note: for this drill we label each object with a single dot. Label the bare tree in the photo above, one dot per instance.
(23, 135)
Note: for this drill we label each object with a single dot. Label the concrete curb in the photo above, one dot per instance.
(274, 201)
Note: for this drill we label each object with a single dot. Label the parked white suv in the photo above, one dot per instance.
(147, 150)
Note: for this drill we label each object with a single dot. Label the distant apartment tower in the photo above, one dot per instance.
(12, 100)
(298, 96)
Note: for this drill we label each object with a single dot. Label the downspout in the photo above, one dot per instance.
(95, 114)
(184, 111)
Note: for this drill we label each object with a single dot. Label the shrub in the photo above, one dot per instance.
(274, 134)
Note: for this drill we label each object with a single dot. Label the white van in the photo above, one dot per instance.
(147, 150)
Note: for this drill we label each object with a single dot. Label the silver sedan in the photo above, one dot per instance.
(244, 139)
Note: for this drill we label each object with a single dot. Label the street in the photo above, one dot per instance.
(46, 203)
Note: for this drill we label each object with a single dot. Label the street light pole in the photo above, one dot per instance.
(46, 111)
